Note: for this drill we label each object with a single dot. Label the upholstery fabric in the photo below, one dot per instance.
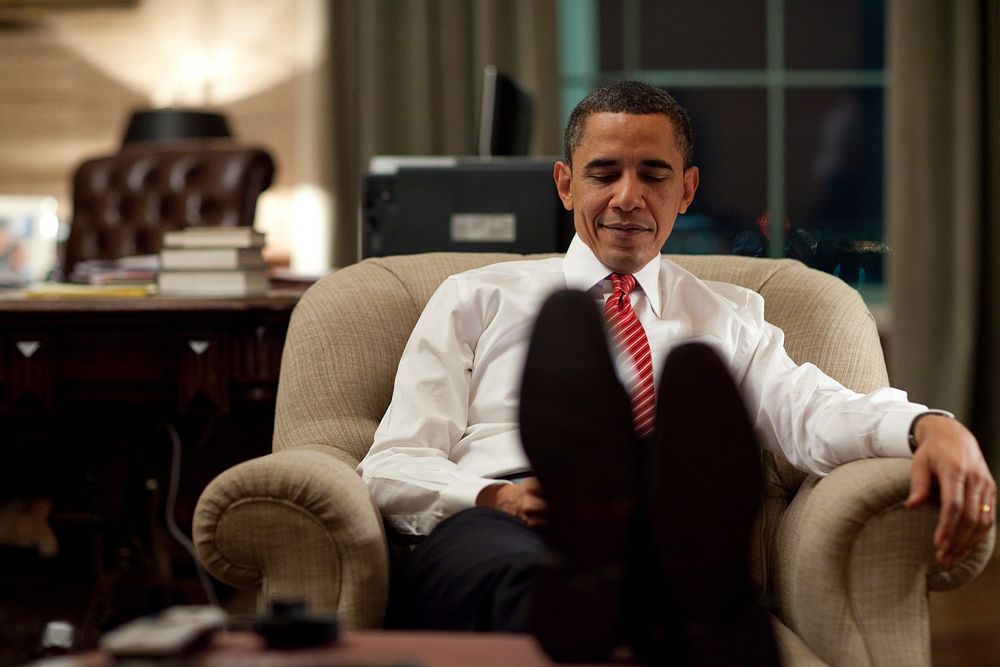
(847, 568)
(122, 203)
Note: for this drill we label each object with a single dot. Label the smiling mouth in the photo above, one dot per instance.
(624, 228)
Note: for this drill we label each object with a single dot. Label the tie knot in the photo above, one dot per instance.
(622, 284)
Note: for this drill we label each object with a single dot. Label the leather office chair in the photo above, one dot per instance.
(847, 567)
(122, 203)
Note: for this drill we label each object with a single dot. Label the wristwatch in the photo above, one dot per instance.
(913, 425)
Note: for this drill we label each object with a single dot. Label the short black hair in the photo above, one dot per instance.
(632, 97)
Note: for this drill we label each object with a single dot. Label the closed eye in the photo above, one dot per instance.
(604, 177)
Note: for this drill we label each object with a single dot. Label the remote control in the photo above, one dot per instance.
(170, 632)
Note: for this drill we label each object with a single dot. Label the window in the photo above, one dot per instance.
(786, 99)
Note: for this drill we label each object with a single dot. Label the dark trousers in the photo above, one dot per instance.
(473, 572)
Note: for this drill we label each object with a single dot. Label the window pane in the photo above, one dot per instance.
(730, 151)
(847, 34)
(702, 34)
(834, 181)
(610, 15)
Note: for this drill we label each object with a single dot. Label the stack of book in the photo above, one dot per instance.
(129, 271)
(213, 261)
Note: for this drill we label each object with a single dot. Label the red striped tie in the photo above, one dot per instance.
(631, 344)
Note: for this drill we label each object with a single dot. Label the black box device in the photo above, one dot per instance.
(413, 205)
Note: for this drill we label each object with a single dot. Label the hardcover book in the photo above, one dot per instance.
(235, 282)
(210, 258)
(214, 237)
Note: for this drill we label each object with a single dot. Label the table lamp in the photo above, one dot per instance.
(173, 123)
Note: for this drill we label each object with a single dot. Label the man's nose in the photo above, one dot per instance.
(629, 194)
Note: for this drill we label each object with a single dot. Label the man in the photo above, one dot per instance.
(448, 460)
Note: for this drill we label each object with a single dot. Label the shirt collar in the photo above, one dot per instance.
(583, 270)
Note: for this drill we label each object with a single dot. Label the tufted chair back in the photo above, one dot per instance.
(123, 203)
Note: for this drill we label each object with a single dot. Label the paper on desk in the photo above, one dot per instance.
(74, 291)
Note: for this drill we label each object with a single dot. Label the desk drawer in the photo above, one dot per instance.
(120, 356)
(186, 370)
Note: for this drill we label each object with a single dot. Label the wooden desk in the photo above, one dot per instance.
(86, 386)
(183, 355)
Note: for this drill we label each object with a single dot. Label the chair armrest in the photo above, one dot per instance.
(298, 523)
(852, 566)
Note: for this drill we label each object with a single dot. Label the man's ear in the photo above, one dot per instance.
(562, 173)
(691, 179)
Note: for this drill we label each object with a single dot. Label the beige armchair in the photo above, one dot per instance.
(846, 566)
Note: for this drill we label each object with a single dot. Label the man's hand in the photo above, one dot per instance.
(523, 500)
(948, 454)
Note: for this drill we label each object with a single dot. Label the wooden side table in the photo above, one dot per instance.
(372, 648)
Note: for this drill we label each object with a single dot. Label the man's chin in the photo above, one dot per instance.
(624, 260)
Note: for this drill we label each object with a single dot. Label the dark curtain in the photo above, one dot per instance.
(943, 195)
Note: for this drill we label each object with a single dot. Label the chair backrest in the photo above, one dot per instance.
(348, 332)
(122, 203)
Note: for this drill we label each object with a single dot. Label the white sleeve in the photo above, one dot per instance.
(408, 470)
(814, 421)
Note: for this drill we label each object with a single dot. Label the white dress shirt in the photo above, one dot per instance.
(451, 427)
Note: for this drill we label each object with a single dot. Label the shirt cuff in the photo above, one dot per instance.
(894, 430)
(911, 438)
(462, 493)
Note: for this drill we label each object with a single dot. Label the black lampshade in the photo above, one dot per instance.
(159, 124)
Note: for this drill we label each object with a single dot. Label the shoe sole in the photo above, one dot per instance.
(582, 446)
(706, 489)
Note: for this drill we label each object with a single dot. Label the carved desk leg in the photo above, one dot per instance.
(203, 373)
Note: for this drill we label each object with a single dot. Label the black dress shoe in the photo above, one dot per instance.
(703, 493)
(576, 428)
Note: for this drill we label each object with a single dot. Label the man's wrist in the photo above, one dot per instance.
(913, 425)
(489, 496)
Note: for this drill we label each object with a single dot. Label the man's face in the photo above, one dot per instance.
(626, 187)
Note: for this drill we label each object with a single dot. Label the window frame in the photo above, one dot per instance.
(580, 72)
